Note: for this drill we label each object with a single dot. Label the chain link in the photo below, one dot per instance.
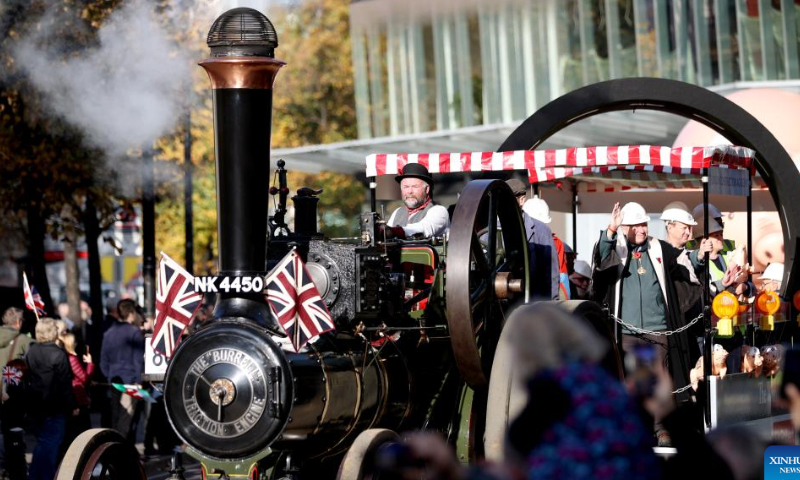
(682, 389)
(665, 333)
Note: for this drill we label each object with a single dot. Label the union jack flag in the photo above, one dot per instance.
(33, 301)
(176, 304)
(296, 302)
(11, 375)
(37, 301)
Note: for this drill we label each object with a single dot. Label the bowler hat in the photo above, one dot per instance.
(517, 187)
(415, 170)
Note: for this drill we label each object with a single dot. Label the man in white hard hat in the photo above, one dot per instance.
(581, 279)
(543, 256)
(641, 281)
(538, 208)
(771, 278)
(679, 223)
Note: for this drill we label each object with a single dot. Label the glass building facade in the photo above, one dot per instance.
(423, 66)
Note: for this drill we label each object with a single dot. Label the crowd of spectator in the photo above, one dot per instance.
(59, 385)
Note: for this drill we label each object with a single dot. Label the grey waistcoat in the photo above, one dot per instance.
(401, 218)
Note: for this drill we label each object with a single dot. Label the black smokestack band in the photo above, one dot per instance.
(242, 126)
(242, 72)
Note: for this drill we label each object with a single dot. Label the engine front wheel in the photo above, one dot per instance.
(100, 454)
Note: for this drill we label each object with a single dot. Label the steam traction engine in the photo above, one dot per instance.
(416, 321)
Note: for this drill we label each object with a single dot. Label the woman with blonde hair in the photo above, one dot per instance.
(61, 327)
(81, 378)
(50, 398)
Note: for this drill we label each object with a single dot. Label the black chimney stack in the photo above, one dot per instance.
(242, 71)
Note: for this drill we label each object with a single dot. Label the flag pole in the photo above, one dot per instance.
(296, 342)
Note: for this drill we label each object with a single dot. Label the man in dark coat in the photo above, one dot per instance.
(542, 254)
(641, 281)
(122, 361)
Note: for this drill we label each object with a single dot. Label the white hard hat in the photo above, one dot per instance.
(774, 271)
(713, 211)
(633, 214)
(713, 227)
(582, 268)
(538, 209)
(678, 212)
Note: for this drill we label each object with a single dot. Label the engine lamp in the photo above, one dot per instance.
(767, 303)
(796, 303)
(725, 306)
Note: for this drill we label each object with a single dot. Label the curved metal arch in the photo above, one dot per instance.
(693, 102)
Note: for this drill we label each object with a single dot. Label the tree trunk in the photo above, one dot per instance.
(91, 226)
(36, 232)
(70, 243)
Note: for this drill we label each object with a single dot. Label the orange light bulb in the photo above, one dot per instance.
(768, 303)
(725, 305)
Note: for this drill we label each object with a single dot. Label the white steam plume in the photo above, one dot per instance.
(124, 93)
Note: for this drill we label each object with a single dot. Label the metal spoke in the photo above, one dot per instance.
(478, 255)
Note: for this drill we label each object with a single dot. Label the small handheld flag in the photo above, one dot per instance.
(37, 300)
(135, 391)
(31, 298)
(296, 302)
(11, 375)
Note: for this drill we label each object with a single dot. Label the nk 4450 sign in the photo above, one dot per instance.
(228, 284)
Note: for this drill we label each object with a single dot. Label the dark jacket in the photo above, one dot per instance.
(122, 356)
(681, 293)
(48, 381)
(543, 258)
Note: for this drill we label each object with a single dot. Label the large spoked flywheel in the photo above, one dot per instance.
(487, 271)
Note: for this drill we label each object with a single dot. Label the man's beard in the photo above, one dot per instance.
(412, 202)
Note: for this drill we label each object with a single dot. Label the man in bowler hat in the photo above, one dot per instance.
(419, 216)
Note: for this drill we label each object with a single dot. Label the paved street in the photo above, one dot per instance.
(156, 467)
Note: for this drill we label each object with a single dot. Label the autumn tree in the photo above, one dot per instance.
(314, 94)
(44, 163)
(314, 103)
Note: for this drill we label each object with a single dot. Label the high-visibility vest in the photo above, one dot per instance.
(727, 245)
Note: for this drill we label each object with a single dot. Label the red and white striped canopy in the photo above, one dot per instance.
(595, 168)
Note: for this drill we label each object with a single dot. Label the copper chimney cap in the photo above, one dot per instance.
(242, 32)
